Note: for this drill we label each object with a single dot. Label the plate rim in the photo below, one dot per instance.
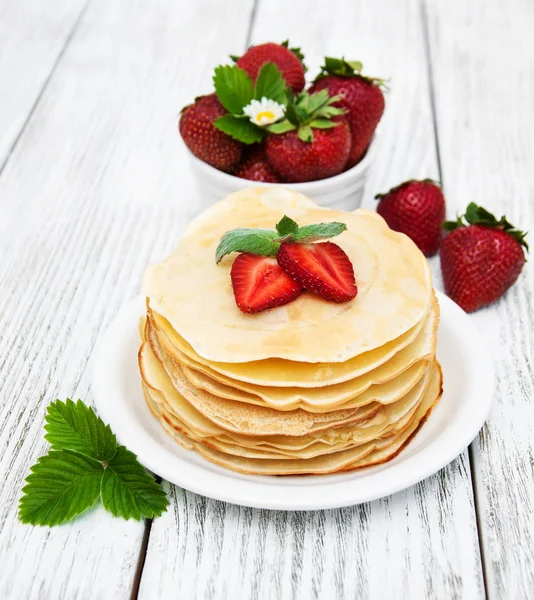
(250, 490)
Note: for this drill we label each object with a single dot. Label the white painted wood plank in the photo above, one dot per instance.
(93, 191)
(483, 73)
(420, 543)
(32, 37)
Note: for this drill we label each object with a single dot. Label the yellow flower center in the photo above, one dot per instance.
(266, 114)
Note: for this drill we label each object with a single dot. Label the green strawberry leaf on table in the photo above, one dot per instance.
(76, 426)
(62, 484)
(128, 491)
(266, 242)
(84, 464)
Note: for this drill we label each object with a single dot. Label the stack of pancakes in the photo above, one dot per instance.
(307, 388)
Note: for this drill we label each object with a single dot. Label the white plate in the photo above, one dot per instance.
(468, 390)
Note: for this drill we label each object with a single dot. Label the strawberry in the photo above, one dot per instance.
(480, 259)
(322, 268)
(203, 139)
(255, 166)
(312, 142)
(259, 283)
(416, 208)
(288, 60)
(360, 96)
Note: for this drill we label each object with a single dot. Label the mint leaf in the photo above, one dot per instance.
(233, 87)
(270, 84)
(286, 225)
(76, 426)
(256, 241)
(128, 491)
(317, 231)
(61, 485)
(240, 129)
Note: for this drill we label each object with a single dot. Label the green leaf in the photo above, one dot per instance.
(317, 231)
(305, 133)
(128, 491)
(233, 87)
(281, 127)
(240, 129)
(75, 426)
(323, 124)
(270, 84)
(316, 101)
(61, 485)
(257, 241)
(286, 225)
(291, 114)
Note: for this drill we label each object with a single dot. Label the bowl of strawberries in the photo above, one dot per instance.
(263, 126)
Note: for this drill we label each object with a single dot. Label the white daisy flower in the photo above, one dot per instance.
(264, 112)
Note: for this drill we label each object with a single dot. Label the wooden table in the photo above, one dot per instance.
(94, 184)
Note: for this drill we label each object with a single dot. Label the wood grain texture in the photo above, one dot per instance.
(33, 37)
(420, 543)
(486, 134)
(91, 193)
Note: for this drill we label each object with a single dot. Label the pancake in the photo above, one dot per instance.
(284, 447)
(283, 373)
(236, 416)
(195, 295)
(365, 455)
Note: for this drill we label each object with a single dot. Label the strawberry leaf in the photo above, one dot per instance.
(270, 84)
(240, 129)
(75, 426)
(62, 485)
(281, 127)
(256, 241)
(233, 87)
(128, 491)
(323, 124)
(305, 133)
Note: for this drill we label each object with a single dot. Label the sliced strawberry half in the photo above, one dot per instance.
(321, 268)
(259, 283)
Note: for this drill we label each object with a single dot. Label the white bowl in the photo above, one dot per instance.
(343, 191)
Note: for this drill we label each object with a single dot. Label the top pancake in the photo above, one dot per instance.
(195, 295)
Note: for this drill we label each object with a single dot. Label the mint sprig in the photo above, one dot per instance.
(235, 90)
(266, 242)
(83, 464)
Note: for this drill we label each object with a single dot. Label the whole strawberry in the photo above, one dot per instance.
(360, 96)
(480, 259)
(417, 209)
(312, 143)
(288, 60)
(255, 166)
(203, 139)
